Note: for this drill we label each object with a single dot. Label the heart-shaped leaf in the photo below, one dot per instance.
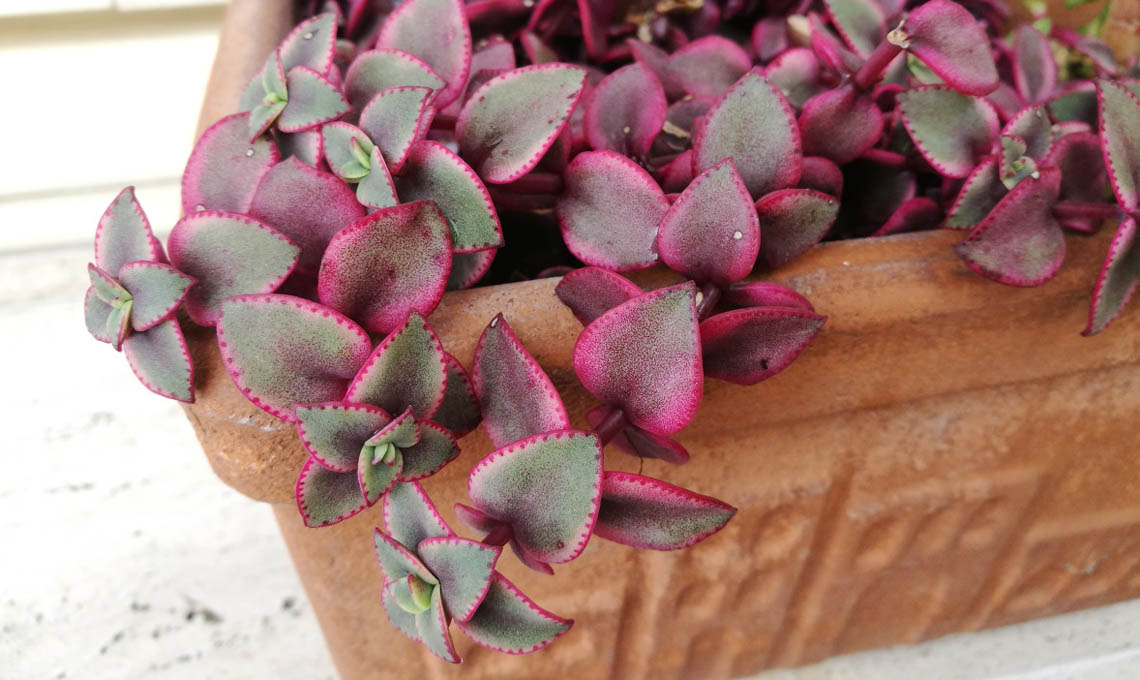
(1034, 70)
(433, 172)
(753, 125)
(436, 31)
(335, 432)
(769, 38)
(917, 214)
(626, 111)
(1033, 126)
(821, 174)
(860, 22)
(161, 361)
(656, 60)
(468, 268)
(648, 513)
(1118, 280)
(1083, 176)
(1119, 137)
(708, 66)
(517, 397)
(347, 149)
(953, 131)
(590, 292)
(307, 206)
(377, 70)
(840, 124)
(395, 119)
(229, 254)
(407, 369)
(156, 292)
(609, 211)
(644, 357)
(638, 442)
(397, 561)
(479, 521)
(326, 497)
(464, 569)
(312, 100)
(792, 221)
(311, 44)
(1019, 243)
(745, 346)
(764, 294)
(508, 621)
(124, 235)
(947, 38)
(281, 351)
(410, 516)
(711, 233)
(547, 487)
(435, 449)
(509, 123)
(796, 74)
(225, 167)
(391, 263)
(980, 193)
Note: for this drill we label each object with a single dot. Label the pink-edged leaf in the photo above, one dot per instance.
(626, 111)
(433, 172)
(124, 235)
(1119, 137)
(410, 516)
(953, 131)
(769, 38)
(711, 233)
(459, 412)
(463, 567)
(229, 254)
(306, 146)
(402, 620)
(917, 214)
(156, 292)
(508, 621)
(792, 221)
(435, 449)
(477, 520)
(335, 432)
(980, 193)
(374, 478)
(656, 60)
(822, 175)
(641, 443)
(745, 346)
(436, 31)
(764, 294)
(509, 123)
(468, 268)
(537, 51)
(1118, 280)
(644, 357)
(547, 487)
(306, 205)
(648, 513)
(347, 149)
(225, 167)
(796, 74)
(708, 66)
(1032, 125)
(433, 628)
(1083, 176)
(840, 124)
(831, 52)
(529, 560)
(753, 125)
(517, 397)
(1034, 69)
(311, 43)
(590, 292)
(106, 287)
(95, 315)
(609, 211)
(161, 361)
(1095, 49)
(402, 432)
(118, 322)
(407, 369)
(947, 38)
(1015, 165)
(678, 173)
(1077, 102)
(312, 100)
(397, 561)
(325, 497)
(860, 22)
(395, 119)
(391, 263)
(376, 189)
(377, 70)
(281, 351)
(1019, 243)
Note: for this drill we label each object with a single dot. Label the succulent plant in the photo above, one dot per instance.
(385, 155)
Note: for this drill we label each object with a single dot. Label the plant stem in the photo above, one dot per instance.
(500, 535)
(709, 297)
(876, 65)
(1066, 210)
(613, 423)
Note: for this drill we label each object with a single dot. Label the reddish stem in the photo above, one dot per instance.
(710, 296)
(500, 535)
(611, 424)
(1068, 210)
(876, 65)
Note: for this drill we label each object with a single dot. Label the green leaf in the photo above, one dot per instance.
(463, 567)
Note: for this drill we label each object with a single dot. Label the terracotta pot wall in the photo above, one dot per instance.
(948, 455)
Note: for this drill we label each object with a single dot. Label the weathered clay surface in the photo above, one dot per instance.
(948, 455)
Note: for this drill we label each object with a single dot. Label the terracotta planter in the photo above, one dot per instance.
(949, 455)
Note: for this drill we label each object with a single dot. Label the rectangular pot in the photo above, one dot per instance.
(949, 455)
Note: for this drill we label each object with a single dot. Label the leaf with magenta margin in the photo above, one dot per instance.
(947, 38)
(161, 361)
(395, 119)
(953, 131)
(225, 168)
(792, 221)
(648, 513)
(436, 31)
(1118, 280)
(377, 70)
(156, 292)
(435, 449)
(860, 22)
(626, 111)
(840, 124)
(764, 294)
(326, 497)
(464, 568)
(1034, 69)
(745, 346)
(410, 516)
(708, 66)
(335, 432)
(1120, 138)
(508, 621)
(460, 411)
(312, 100)
(124, 235)
(590, 292)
